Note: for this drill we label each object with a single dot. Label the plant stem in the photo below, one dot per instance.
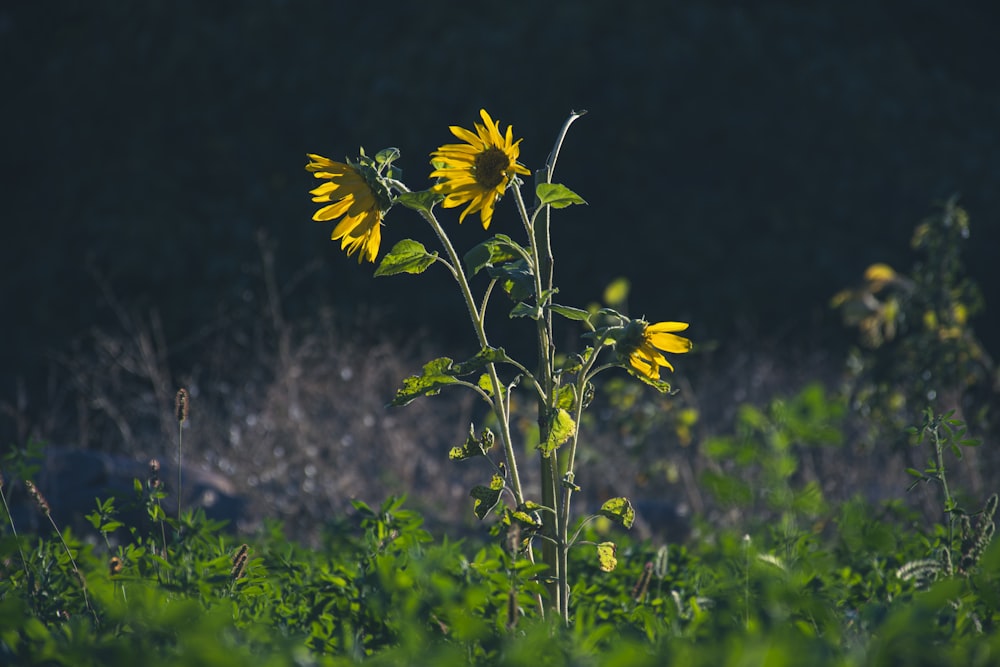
(24, 562)
(500, 406)
(554, 552)
(180, 440)
(76, 570)
(949, 503)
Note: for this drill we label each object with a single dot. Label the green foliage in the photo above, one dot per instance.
(495, 250)
(407, 256)
(870, 590)
(557, 195)
(756, 469)
(618, 510)
(441, 372)
(918, 345)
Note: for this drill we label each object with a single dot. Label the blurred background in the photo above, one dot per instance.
(742, 162)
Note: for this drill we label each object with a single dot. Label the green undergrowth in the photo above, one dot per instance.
(867, 586)
(781, 567)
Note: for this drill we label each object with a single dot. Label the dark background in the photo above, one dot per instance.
(742, 161)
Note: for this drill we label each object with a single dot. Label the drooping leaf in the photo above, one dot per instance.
(422, 200)
(473, 446)
(606, 556)
(561, 428)
(407, 256)
(521, 526)
(515, 278)
(618, 510)
(444, 371)
(437, 373)
(525, 518)
(486, 356)
(574, 363)
(485, 498)
(661, 386)
(568, 482)
(526, 310)
(566, 397)
(492, 252)
(570, 313)
(530, 506)
(557, 195)
(486, 384)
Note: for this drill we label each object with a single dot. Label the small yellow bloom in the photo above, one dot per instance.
(960, 313)
(479, 170)
(357, 198)
(878, 276)
(879, 273)
(643, 345)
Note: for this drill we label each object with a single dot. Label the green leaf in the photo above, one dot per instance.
(557, 195)
(531, 506)
(570, 364)
(437, 374)
(486, 356)
(473, 446)
(442, 372)
(566, 397)
(661, 386)
(618, 510)
(524, 517)
(422, 200)
(492, 252)
(486, 497)
(515, 278)
(526, 310)
(606, 556)
(561, 428)
(568, 482)
(111, 526)
(407, 256)
(387, 155)
(486, 384)
(570, 313)
(522, 525)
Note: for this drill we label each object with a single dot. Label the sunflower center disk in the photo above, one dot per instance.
(491, 168)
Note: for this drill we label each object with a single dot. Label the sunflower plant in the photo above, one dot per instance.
(477, 173)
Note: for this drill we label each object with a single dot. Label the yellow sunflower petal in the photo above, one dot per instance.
(333, 210)
(669, 342)
(667, 326)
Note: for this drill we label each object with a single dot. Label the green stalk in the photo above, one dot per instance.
(554, 550)
(551, 548)
(500, 407)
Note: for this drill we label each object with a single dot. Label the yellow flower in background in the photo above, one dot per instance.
(878, 276)
(478, 170)
(643, 346)
(356, 199)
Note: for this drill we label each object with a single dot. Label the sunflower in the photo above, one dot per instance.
(479, 170)
(357, 196)
(643, 344)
